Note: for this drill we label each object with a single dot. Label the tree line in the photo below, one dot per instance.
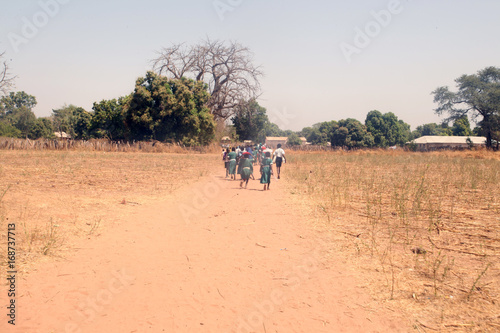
(176, 110)
(168, 110)
(195, 91)
(478, 98)
(379, 130)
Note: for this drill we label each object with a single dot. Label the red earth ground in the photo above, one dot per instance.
(212, 258)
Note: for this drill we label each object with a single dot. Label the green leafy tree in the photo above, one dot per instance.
(73, 120)
(387, 129)
(7, 130)
(16, 100)
(340, 137)
(351, 133)
(271, 129)
(319, 134)
(306, 132)
(327, 126)
(315, 137)
(461, 127)
(15, 110)
(108, 119)
(82, 125)
(294, 140)
(478, 96)
(431, 129)
(480, 130)
(169, 110)
(23, 119)
(250, 121)
(42, 128)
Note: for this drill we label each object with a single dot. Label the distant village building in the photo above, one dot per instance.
(225, 141)
(303, 141)
(62, 135)
(273, 141)
(434, 142)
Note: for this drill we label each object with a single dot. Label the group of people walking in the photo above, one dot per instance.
(241, 161)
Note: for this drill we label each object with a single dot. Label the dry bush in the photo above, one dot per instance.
(103, 145)
(429, 222)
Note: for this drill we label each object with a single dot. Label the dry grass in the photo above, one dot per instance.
(103, 145)
(56, 198)
(425, 228)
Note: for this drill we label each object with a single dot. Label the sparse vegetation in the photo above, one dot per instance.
(429, 223)
(424, 227)
(58, 197)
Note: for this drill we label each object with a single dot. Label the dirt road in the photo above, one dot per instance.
(212, 258)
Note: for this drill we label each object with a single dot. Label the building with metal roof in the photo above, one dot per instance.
(435, 142)
(273, 141)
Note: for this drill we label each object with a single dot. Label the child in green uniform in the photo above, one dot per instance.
(226, 162)
(246, 168)
(266, 170)
(232, 163)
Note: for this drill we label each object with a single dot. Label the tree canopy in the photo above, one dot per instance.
(169, 110)
(461, 127)
(250, 121)
(351, 133)
(432, 129)
(73, 120)
(227, 69)
(294, 140)
(319, 134)
(478, 96)
(387, 129)
(17, 118)
(108, 119)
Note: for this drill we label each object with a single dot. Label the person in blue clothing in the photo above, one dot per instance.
(246, 168)
(225, 158)
(232, 163)
(266, 171)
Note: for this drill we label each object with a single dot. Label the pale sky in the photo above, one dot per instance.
(323, 60)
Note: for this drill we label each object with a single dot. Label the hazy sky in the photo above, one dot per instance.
(323, 60)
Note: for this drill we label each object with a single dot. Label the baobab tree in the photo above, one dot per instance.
(226, 67)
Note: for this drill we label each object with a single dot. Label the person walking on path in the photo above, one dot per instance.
(239, 152)
(232, 164)
(279, 157)
(246, 167)
(266, 171)
(226, 161)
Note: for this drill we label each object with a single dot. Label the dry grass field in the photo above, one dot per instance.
(58, 197)
(424, 228)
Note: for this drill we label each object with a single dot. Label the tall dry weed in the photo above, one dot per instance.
(430, 220)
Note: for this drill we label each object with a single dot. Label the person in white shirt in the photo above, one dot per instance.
(279, 157)
(268, 150)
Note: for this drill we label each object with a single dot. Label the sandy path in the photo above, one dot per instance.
(214, 258)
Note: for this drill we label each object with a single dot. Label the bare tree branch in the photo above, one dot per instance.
(6, 78)
(227, 69)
